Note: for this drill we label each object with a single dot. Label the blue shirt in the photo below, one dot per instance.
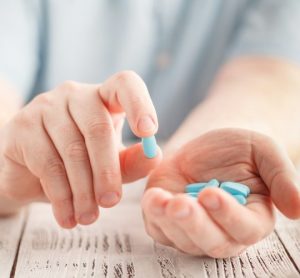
(175, 45)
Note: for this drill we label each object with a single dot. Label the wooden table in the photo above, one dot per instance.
(32, 245)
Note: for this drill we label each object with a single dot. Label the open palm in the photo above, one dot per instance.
(216, 225)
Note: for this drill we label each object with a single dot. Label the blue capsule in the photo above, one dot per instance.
(193, 194)
(235, 188)
(195, 187)
(149, 146)
(240, 198)
(213, 183)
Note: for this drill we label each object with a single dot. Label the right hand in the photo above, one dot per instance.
(65, 147)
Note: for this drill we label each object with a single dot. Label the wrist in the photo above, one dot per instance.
(253, 93)
(212, 115)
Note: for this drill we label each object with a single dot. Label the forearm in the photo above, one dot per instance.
(260, 94)
(9, 105)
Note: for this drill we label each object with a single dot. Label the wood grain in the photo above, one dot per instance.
(288, 232)
(10, 233)
(117, 246)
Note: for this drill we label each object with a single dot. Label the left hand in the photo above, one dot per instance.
(216, 224)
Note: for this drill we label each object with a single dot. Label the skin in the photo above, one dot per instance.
(216, 224)
(253, 145)
(55, 149)
(241, 132)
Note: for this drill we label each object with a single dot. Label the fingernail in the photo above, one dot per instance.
(109, 199)
(211, 202)
(146, 124)
(183, 212)
(87, 218)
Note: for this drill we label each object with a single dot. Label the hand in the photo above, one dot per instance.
(216, 224)
(66, 147)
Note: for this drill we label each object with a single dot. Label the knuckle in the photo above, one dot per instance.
(110, 175)
(83, 197)
(62, 202)
(69, 86)
(96, 129)
(76, 151)
(54, 168)
(136, 102)
(44, 99)
(126, 75)
(23, 120)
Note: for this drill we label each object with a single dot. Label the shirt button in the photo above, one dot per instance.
(163, 60)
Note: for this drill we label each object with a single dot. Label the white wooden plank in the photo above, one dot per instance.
(10, 232)
(289, 233)
(117, 246)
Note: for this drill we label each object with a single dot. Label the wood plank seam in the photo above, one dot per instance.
(13, 270)
(287, 252)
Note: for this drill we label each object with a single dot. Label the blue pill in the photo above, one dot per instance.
(213, 183)
(193, 194)
(240, 198)
(235, 188)
(195, 187)
(149, 146)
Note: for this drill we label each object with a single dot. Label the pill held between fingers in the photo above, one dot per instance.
(240, 198)
(235, 188)
(149, 146)
(195, 187)
(213, 183)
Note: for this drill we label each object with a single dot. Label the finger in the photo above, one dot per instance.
(151, 229)
(279, 174)
(157, 234)
(39, 155)
(201, 229)
(72, 149)
(134, 164)
(159, 199)
(126, 91)
(252, 222)
(97, 127)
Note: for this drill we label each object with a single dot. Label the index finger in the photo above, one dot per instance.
(126, 91)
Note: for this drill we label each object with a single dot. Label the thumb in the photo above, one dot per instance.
(279, 174)
(135, 165)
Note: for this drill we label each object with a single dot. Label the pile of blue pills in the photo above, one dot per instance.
(149, 146)
(238, 190)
